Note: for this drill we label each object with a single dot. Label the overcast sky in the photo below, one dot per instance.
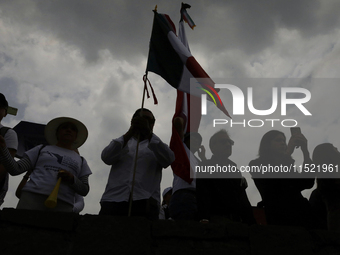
(86, 59)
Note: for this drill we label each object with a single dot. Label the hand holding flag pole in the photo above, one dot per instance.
(145, 90)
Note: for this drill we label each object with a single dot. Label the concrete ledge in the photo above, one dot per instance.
(36, 232)
(41, 219)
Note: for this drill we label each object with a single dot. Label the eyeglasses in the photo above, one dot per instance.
(231, 142)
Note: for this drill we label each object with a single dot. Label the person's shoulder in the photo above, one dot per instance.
(11, 131)
(256, 162)
(7, 131)
(231, 162)
(38, 149)
(208, 162)
(154, 136)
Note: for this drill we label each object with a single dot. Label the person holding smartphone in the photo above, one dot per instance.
(281, 194)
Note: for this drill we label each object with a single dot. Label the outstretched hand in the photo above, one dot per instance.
(296, 141)
(201, 153)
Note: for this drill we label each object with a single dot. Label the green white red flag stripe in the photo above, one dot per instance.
(186, 17)
(187, 107)
(170, 59)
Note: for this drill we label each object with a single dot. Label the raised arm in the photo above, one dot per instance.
(162, 152)
(114, 151)
(13, 167)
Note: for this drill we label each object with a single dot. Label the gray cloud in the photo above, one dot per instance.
(86, 59)
(124, 27)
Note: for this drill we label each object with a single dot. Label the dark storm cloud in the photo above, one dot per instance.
(124, 27)
(251, 26)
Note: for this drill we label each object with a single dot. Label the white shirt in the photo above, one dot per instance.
(152, 157)
(47, 165)
(178, 183)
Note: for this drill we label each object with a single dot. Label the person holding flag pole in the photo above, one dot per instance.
(137, 159)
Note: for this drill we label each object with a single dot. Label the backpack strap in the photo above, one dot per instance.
(35, 163)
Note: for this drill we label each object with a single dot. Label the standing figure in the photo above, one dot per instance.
(153, 156)
(11, 140)
(183, 203)
(50, 162)
(223, 194)
(282, 198)
(327, 158)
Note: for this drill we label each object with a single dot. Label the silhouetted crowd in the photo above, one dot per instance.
(56, 177)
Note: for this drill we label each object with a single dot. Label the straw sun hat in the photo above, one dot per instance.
(52, 126)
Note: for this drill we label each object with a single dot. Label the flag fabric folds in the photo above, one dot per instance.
(169, 58)
(181, 166)
(188, 108)
(185, 16)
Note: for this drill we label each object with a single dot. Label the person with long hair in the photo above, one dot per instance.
(281, 193)
(326, 155)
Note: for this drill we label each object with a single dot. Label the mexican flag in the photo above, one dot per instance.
(172, 60)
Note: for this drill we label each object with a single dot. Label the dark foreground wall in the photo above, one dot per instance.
(34, 232)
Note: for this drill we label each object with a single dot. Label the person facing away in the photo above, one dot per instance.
(153, 156)
(327, 156)
(50, 162)
(11, 140)
(183, 203)
(223, 195)
(282, 198)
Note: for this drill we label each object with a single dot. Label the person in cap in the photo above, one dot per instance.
(153, 156)
(48, 163)
(11, 140)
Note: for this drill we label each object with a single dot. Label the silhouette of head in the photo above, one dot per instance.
(273, 142)
(326, 153)
(221, 144)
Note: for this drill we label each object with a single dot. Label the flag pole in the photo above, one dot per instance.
(145, 91)
(136, 155)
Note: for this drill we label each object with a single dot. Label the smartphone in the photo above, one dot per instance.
(295, 130)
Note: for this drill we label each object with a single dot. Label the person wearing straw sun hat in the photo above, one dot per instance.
(59, 159)
(52, 128)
